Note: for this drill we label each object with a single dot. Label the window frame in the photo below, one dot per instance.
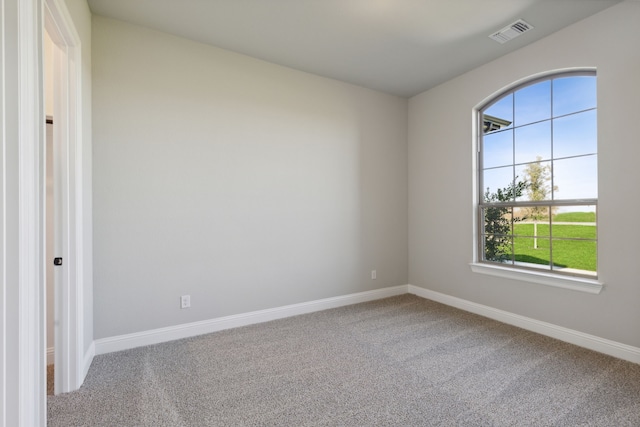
(568, 280)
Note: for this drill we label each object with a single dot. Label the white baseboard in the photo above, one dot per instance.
(612, 348)
(156, 336)
(50, 356)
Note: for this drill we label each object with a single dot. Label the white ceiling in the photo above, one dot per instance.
(402, 47)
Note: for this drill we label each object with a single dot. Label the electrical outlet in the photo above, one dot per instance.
(373, 275)
(185, 301)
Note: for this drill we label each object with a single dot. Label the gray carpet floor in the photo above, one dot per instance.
(401, 361)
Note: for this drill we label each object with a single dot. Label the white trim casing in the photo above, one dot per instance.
(156, 336)
(31, 304)
(574, 283)
(22, 358)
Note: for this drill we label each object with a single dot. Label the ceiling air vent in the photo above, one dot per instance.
(511, 31)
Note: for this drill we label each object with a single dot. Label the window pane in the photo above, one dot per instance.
(519, 215)
(537, 175)
(575, 135)
(528, 156)
(497, 149)
(576, 178)
(571, 94)
(500, 114)
(577, 255)
(533, 142)
(574, 222)
(533, 103)
(574, 239)
(498, 248)
(530, 227)
(532, 252)
(497, 223)
(497, 179)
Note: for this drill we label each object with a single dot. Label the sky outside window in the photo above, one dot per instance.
(569, 136)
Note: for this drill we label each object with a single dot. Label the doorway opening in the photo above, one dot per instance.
(49, 49)
(64, 214)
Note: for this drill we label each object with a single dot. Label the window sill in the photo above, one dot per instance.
(566, 282)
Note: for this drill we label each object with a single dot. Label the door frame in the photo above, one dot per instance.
(22, 202)
(68, 225)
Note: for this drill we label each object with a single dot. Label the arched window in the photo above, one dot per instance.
(537, 176)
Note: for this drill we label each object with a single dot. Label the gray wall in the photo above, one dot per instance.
(242, 183)
(441, 179)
